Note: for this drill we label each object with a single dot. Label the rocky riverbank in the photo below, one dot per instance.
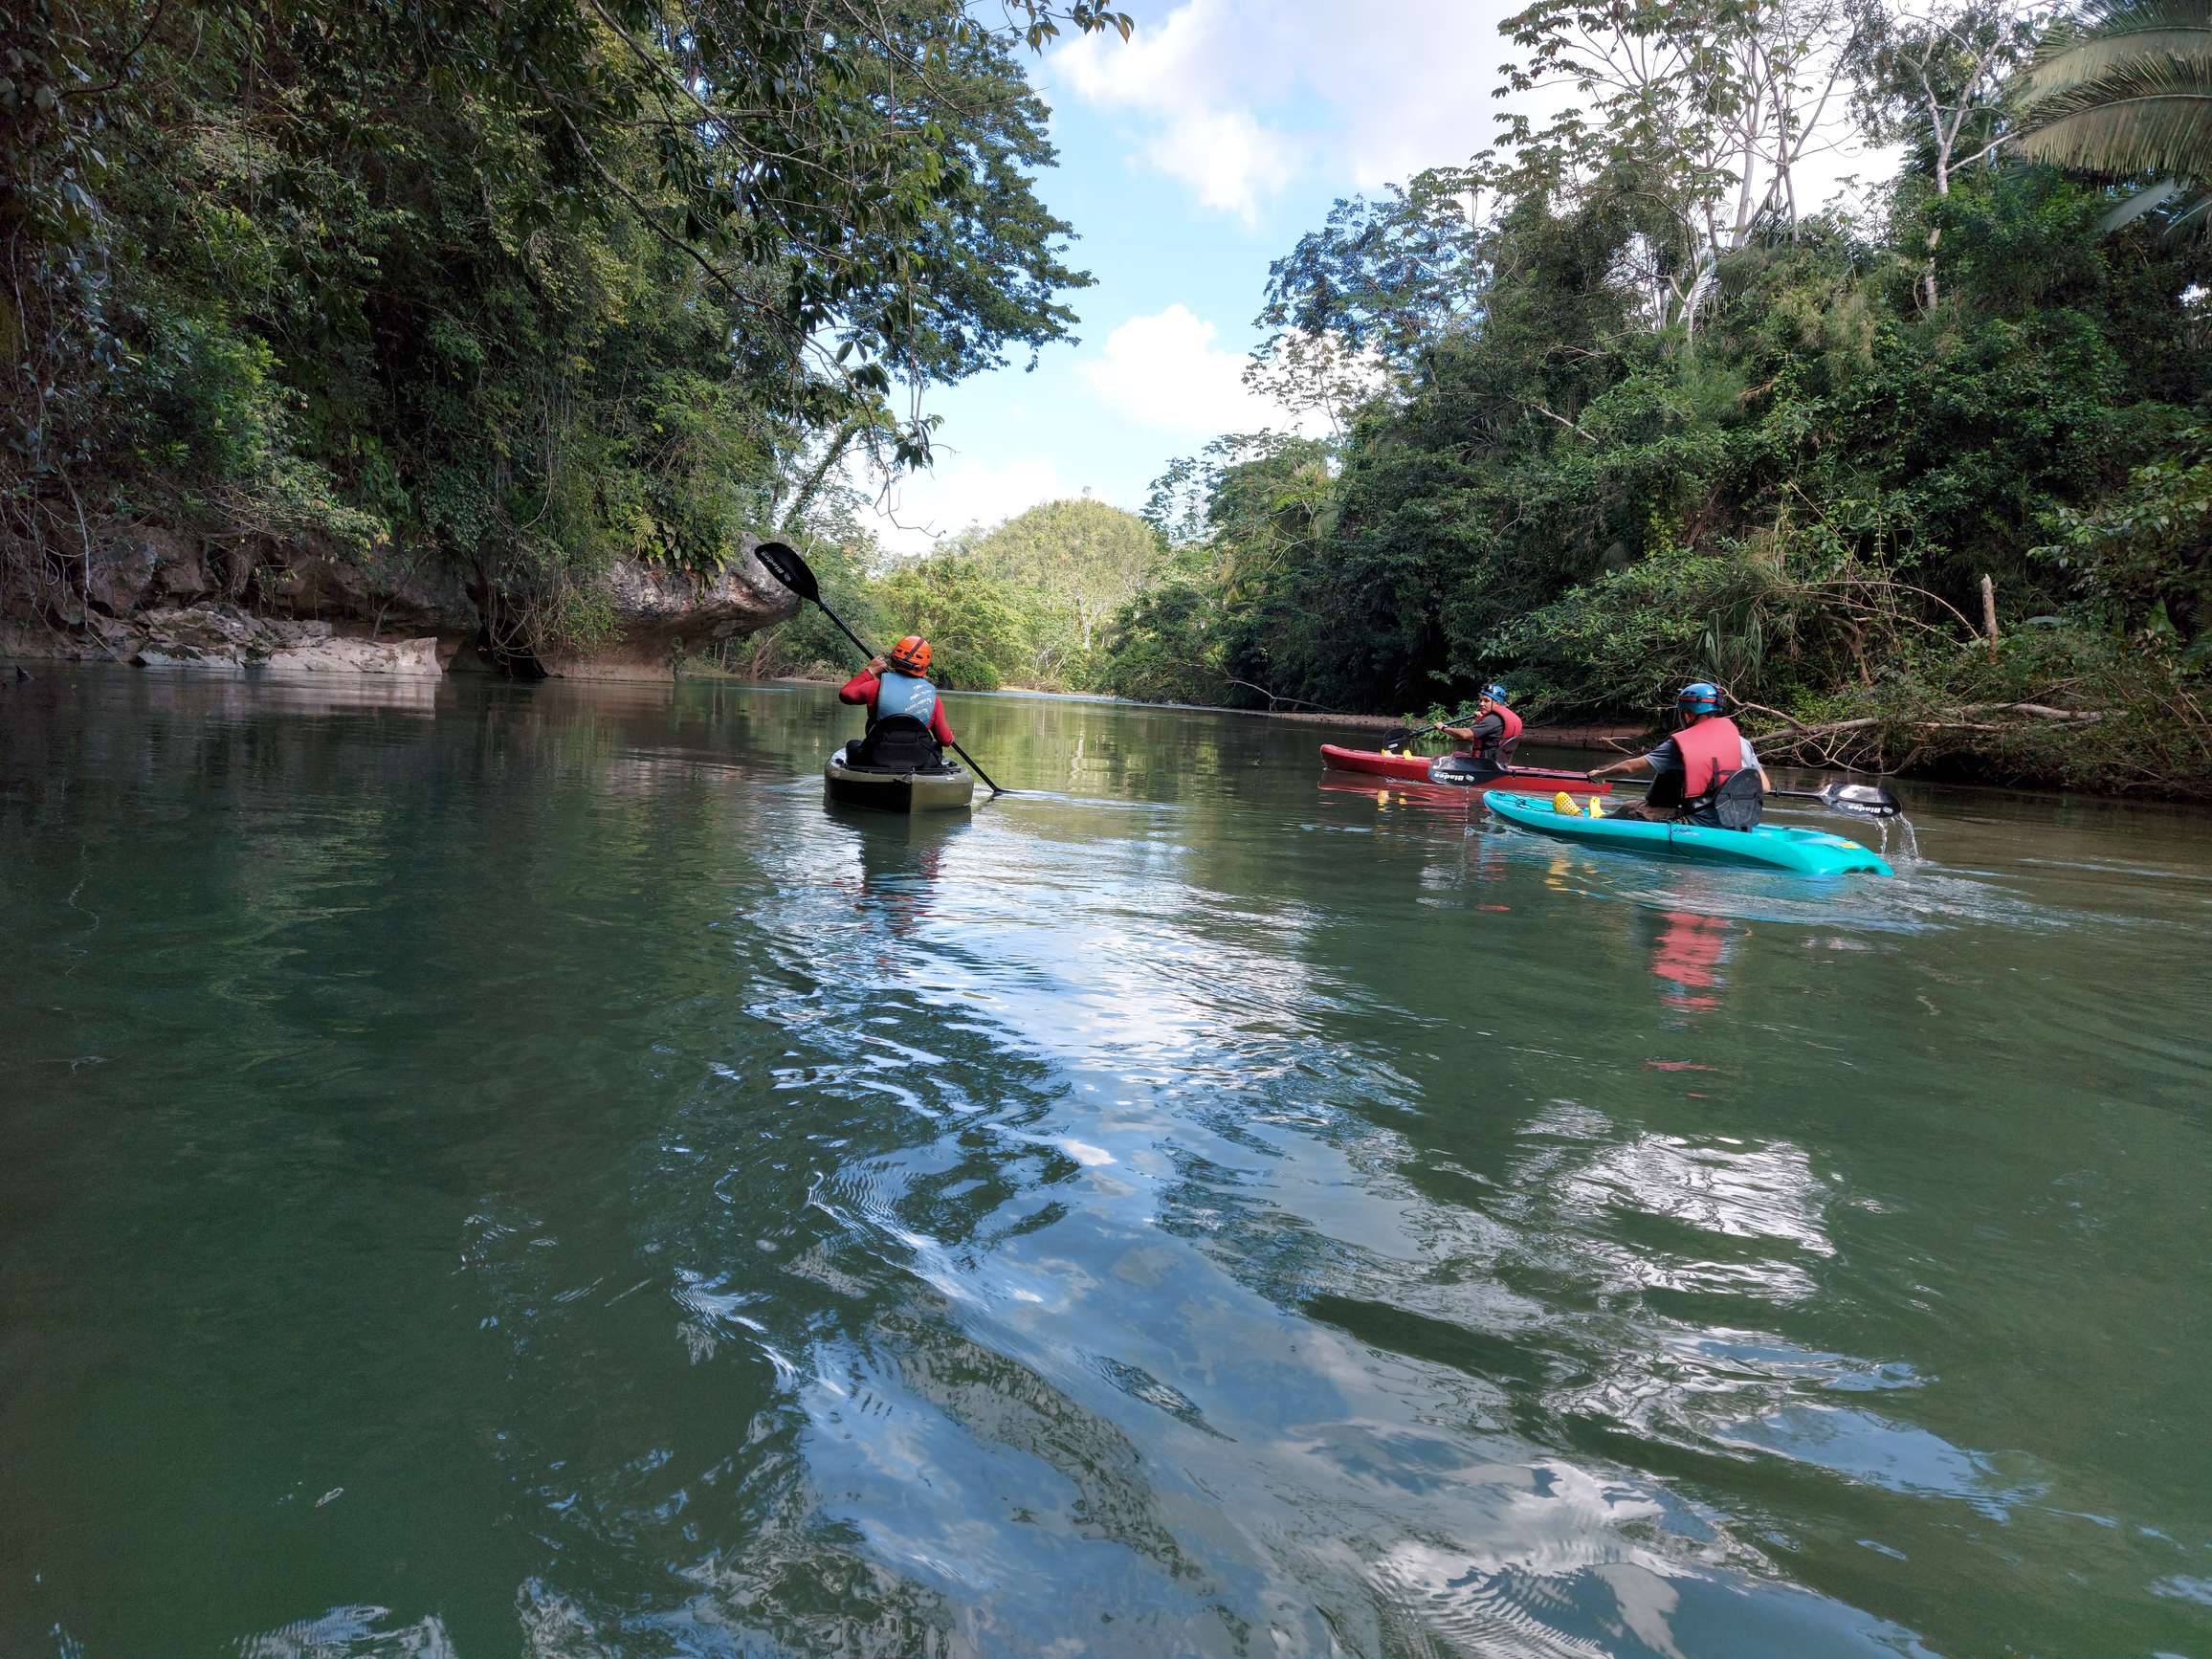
(155, 598)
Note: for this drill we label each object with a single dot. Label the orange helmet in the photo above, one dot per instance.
(911, 655)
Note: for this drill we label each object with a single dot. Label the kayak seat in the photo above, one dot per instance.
(895, 743)
(1737, 804)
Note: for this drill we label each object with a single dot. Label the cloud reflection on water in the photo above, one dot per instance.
(1144, 1083)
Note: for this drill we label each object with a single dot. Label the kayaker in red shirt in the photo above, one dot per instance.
(897, 684)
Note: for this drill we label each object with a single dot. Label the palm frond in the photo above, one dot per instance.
(2109, 16)
(2136, 203)
(2195, 217)
(2107, 36)
(1700, 294)
(2100, 54)
(2142, 118)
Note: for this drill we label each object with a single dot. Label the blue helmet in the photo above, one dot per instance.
(1494, 693)
(1701, 699)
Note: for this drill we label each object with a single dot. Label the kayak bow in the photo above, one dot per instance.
(1768, 847)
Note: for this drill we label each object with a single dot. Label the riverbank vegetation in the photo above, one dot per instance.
(1925, 478)
(1922, 472)
(522, 288)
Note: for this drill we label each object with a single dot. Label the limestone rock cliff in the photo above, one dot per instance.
(664, 611)
(159, 599)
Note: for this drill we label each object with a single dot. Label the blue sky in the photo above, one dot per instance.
(1190, 157)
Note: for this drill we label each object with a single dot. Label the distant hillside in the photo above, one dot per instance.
(1030, 603)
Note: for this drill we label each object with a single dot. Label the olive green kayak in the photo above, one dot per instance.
(1768, 847)
(948, 787)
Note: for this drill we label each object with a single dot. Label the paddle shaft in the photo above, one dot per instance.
(1400, 742)
(1889, 808)
(870, 655)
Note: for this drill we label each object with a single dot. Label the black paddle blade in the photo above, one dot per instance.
(1866, 800)
(786, 567)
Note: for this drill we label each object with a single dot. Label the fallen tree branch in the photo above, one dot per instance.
(1958, 718)
(2041, 711)
(1974, 635)
(1274, 702)
(1826, 729)
(1554, 415)
(1762, 709)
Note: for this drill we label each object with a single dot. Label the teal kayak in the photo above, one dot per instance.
(1769, 847)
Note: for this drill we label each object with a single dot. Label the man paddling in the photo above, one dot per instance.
(1490, 742)
(899, 684)
(1703, 774)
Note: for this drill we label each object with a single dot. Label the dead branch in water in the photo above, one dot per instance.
(1276, 702)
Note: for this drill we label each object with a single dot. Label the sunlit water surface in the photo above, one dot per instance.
(488, 1170)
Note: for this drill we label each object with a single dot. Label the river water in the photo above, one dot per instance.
(490, 1170)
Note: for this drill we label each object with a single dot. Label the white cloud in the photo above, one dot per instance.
(1163, 54)
(1235, 100)
(1165, 371)
(1225, 157)
(1203, 129)
(1241, 100)
(948, 497)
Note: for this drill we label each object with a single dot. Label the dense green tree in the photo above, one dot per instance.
(1167, 642)
(1242, 520)
(1389, 276)
(1638, 427)
(1069, 568)
(527, 286)
(1933, 80)
(976, 634)
(1029, 603)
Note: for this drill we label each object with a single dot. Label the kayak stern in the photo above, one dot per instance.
(949, 790)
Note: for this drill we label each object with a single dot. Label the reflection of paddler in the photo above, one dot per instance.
(899, 863)
(1690, 951)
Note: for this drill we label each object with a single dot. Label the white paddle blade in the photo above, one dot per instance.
(1868, 800)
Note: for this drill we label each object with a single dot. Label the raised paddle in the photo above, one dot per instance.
(1397, 740)
(786, 567)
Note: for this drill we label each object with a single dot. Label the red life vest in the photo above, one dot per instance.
(1508, 740)
(1712, 753)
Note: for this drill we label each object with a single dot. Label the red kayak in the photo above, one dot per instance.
(1414, 769)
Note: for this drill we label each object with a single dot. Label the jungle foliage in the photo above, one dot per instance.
(531, 285)
(1027, 604)
(1643, 416)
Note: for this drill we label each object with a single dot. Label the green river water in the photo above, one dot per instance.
(490, 1170)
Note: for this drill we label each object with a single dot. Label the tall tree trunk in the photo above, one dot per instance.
(1743, 194)
(808, 491)
(1944, 137)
